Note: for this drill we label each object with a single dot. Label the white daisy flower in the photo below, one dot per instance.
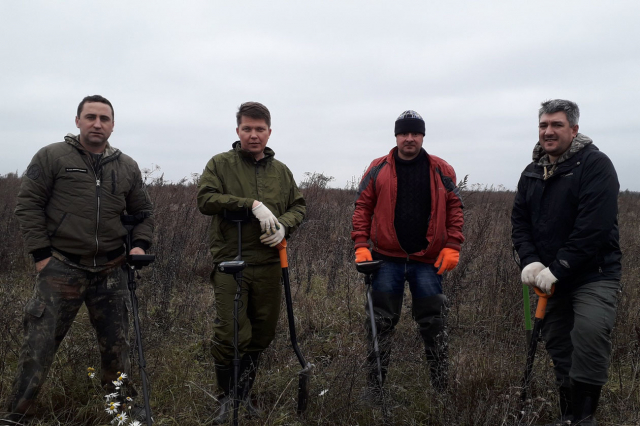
(111, 396)
(122, 418)
(112, 408)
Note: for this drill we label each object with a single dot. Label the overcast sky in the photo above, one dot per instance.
(335, 75)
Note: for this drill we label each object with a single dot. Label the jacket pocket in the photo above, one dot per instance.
(35, 308)
(55, 230)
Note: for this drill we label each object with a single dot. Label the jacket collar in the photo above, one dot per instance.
(578, 143)
(74, 140)
(390, 156)
(269, 154)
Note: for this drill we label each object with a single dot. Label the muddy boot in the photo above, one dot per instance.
(584, 398)
(223, 376)
(566, 410)
(430, 314)
(248, 370)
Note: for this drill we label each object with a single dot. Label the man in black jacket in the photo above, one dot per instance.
(565, 230)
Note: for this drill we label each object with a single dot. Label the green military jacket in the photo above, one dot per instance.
(232, 181)
(68, 204)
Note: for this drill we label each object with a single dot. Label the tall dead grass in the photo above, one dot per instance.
(176, 308)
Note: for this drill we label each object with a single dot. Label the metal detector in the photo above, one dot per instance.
(134, 262)
(368, 268)
(235, 267)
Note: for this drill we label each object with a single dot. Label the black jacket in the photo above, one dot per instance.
(569, 222)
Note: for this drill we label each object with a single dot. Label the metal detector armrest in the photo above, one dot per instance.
(369, 267)
(140, 260)
(231, 266)
(243, 215)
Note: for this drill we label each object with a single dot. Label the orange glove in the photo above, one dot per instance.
(447, 260)
(363, 255)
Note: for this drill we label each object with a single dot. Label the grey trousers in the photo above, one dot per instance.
(577, 332)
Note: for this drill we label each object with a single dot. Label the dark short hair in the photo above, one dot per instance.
(570, 109)
(95, 98)
(254, 110)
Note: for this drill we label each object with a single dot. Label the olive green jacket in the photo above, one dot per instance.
(67, 204)
(232, 181)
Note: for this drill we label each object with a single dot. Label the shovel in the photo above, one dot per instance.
(307, 367)
(533, 344)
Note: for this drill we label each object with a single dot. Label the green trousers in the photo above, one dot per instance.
(61, 289)
(258, 310)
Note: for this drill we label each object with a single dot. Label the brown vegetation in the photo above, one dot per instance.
(176, 308)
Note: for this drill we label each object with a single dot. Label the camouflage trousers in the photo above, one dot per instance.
(61, 288)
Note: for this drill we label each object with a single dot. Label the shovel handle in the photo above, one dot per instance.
(542, 301)
(282, 251)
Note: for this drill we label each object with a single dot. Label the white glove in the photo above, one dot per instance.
(268, 222)
(545, 280)
(530, 272)
(273, 239)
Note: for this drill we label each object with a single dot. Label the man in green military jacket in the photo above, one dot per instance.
(69, 207)
(247, 177)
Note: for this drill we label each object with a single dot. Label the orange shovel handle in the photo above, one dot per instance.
(542, 301)
(282, 251)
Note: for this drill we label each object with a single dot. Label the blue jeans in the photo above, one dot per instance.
(422, 277)
(429, 308)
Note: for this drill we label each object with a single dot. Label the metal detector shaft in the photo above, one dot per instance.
(374, 331)
(305, 373)
(142, 363)
(533, 346)
(134, 262)
(235, 267)
(368, 268)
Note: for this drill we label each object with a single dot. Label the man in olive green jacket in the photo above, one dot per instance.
(69, 208)
(248, 177)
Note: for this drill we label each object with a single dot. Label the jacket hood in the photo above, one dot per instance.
(578, 143)
(74, 140)
(268, 152)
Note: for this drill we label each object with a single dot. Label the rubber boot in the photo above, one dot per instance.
(248, 369)
(566, 410)
(223, 376)
(430, 314)
(585, 399)
(386, 308)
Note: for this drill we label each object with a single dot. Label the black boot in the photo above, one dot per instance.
(223, 376)
(248, 369)
(585, 399)
(566, 409)
(430, 314)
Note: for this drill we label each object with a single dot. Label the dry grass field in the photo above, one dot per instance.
(485, 324)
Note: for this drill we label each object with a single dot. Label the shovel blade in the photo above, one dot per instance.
(303, 388)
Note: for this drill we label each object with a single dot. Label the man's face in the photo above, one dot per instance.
(95, 124)
(555, 134)
(409, 145)
(253, 134)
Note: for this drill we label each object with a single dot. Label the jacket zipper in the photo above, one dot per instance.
(97, 220)
(95, 172)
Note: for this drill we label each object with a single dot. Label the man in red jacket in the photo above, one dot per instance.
(409, 211)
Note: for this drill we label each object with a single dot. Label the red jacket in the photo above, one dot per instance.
(373, 217)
